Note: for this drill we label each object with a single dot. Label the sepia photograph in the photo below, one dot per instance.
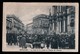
(40, 27)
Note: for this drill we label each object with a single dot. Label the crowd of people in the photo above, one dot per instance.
(54, 41)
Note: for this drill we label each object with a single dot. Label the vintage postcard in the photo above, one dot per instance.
(40, 27)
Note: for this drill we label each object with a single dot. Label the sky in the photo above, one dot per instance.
(25, 11)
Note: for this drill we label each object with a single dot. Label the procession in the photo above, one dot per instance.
(54, 31)
(54, 42)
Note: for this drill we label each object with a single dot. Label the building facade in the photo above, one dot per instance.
(29, 29)
(14, 24)
(62, 19)
(40, 24)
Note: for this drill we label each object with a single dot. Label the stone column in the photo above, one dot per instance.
(60, 26)
(50, 29)
(68, 23)
(64, 23)
(53, 26)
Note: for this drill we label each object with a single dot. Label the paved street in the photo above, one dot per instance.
(17, 48)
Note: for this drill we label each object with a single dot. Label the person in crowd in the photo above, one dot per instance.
(7, 38)
(18, 39)
(57, 40)
(10, 38)
(54, 44)
(20, 36)
(15, 38)
(23, 41)
(60, 42)
(63, 41)
(47, 42)
(67, 41)
(72, 41)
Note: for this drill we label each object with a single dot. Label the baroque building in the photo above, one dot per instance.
(62, 19)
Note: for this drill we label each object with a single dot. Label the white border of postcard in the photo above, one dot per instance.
(5, 49)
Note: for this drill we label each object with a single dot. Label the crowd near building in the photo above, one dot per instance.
(56, 29)
(60, 21)
(14, 27)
